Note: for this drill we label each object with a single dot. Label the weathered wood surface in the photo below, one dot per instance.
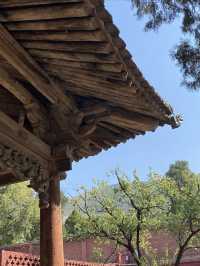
(13, 134)
(70, 79)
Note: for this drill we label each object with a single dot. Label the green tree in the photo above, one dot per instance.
(181, 189)
(187, 52)
(19, 214)
(131, 211)
(74, 226)
(124, 214)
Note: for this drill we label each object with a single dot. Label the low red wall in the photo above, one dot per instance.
(194, 263)
(80, 250)
(10, 258)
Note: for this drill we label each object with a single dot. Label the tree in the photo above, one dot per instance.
(123, 214)
(179, 172)
(75, 226)
(129, 213)
(181, 189)
(187, 53)
(19, 214)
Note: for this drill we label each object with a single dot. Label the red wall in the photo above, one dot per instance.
(74, 250)
(83, 250)
(197, 263)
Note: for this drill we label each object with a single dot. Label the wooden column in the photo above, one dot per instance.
(51, 237)
(44, 237)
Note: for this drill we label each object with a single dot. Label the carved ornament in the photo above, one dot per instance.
(26, 168)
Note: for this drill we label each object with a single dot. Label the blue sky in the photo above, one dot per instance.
(154, 150)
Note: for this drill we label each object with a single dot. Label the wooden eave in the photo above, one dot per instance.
(68, 79)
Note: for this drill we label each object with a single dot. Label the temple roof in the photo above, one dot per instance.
(67, 77)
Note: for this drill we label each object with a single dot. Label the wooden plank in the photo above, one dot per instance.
(19, 3)
(65, 36)
(133, 121)
(47, 12)
(105, 75)
(115, 68)
(80, 47)
(75, 57)
(85, 23)
(120, 98)
(92, 81)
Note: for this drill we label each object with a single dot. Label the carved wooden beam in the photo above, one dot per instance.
(23, 167)
(25, 156)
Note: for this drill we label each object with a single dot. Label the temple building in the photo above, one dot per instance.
(68, 90)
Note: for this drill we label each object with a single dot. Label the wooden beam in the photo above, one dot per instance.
(63, 36)
(15, 88)
(19, 3)
(13, 134)
(85, 24)
(20, 59)
(131, 121)
(115, 68)
(80, 47)
(73, 57)
(35, 112)
(15, 54)
(47, 12)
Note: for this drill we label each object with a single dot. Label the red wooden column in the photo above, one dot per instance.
(51, 237)
(44, 237)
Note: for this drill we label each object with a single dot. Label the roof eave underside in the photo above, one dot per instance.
(76, 43)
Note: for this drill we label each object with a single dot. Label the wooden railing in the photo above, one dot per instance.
(10, 258)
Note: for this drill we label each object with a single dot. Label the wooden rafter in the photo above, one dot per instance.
(14, 53)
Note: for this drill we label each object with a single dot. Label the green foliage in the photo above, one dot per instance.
(19, 214)
(181, 188)
(187, 53)
(179, 172)
(77, 226)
